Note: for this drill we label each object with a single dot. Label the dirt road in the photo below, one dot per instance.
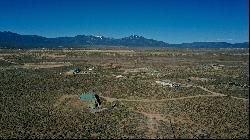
(213, 94)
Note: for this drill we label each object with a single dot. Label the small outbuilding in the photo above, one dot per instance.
(76, 70)
(72, 72)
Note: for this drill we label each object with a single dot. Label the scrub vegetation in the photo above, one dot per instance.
(210, 101)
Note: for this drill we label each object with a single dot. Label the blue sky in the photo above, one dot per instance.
(172, 21)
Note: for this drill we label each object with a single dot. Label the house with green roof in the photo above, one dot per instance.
(91, 98)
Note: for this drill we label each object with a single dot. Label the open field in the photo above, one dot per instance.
(210, 101)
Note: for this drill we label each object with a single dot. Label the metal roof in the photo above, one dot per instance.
(90, 96)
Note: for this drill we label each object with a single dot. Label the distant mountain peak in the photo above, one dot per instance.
(99, 36)
(13, 40)
(135, 36)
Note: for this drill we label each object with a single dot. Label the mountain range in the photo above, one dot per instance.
(13, 40)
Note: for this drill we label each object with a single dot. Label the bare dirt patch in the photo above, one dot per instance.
(53, 56)
(182, 118)
(153, 121)
(45, 65)
(69, 101)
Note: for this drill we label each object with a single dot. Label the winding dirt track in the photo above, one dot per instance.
(213, 94)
